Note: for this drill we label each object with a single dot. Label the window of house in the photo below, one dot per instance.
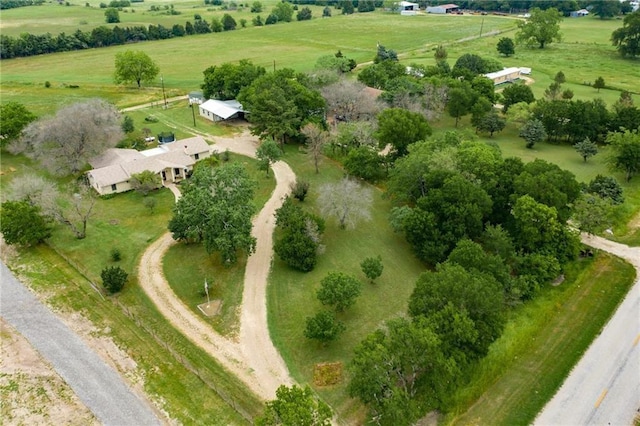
(197, 156)
(114, 187)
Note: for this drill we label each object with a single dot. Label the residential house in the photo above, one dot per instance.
(112, 171)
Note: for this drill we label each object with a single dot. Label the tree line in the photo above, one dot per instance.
(12, 4)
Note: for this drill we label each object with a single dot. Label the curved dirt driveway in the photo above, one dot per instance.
(604, 386)
(253, 358)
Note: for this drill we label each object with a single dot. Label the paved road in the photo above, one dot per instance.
(99, 387)
(604, 387)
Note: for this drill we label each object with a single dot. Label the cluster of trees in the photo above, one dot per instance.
(37, 44)
(36, 203)
(216, 209)
(12, 4)
(626, 38)
(575, 120)
(496, 231)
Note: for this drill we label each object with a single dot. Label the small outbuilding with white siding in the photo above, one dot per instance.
(407, 8)
(216, 110)
(504, 76)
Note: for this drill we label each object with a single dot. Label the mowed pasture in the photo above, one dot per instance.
(294, 45)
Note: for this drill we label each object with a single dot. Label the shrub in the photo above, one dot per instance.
(115, 254)
(47, 84)
(372, 267)
(113, 278)
(300, 189)
(323, 327)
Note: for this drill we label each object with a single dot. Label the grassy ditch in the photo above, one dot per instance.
(181, 379)
(542, 342)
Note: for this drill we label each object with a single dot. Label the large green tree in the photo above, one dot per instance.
(392, 366)
(14, 117)
(541, 28)
(216, 208)
(280, 104)
(627, 38)
(268, 153)
(626, 152)
(323, 326)
(477, 293)
(226, 80)
(605, 9)
(516, 93)
(295, 406)
(400, 128)
(23, 223)
(298, 239)
(135, 66)
(339, 290)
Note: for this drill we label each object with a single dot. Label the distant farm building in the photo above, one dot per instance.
(196, 97)
(504, 76)
(173, 162)
(408, 8)
(579, 13)
(216, 110)
(443, 8)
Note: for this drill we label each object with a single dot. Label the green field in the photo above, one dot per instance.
(124, 223)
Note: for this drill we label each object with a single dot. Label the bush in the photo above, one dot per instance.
(47, 84)
(372, 267)
(300, 189)
(338, 290)
(113, 278)
(115, 254)
(323, 327)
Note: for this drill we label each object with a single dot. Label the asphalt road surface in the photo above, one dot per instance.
(604, 387)
(99, 387)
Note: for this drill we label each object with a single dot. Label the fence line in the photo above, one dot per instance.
(176, 355)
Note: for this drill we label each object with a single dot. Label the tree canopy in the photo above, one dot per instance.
(14, 117)
(295, 406)
(627, 38)
(216, 208)
(64, 143)
(23, 223)
(626, 152)
(542, 28)
(401, 128)
(135, 66)
(225, 81)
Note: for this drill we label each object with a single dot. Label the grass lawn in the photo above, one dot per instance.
(187, 266)
(543, 340)
(291, 294)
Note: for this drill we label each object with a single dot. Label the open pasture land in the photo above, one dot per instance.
(584, 54)
(294, 45)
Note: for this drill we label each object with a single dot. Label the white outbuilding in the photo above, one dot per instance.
(216, 110)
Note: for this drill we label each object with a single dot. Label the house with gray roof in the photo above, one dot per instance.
(172, 161)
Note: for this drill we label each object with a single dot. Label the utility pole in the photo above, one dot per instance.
(481, 25)
(194, 115)
(164, 95)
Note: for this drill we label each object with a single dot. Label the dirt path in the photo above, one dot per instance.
(253, 358)
(604, 387)
(156, 103)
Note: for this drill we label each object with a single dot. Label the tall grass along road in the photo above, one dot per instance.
(604, 387)
(99, 387)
